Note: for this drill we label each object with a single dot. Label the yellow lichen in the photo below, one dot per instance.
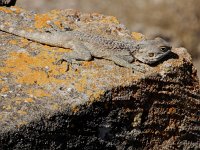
(138, 36)
(109, 19)
(18, 100)
(29, 100)
(7, 107)
(30, 30)
(55, 106)
(22, 112)
(55, 12)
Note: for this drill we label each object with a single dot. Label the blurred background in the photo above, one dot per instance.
(176, 21)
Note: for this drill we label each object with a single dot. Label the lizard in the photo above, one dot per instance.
(88, 46)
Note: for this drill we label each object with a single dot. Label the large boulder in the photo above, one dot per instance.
(94, 105)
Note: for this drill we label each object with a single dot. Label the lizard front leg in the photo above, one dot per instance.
(121, 62)
(80, 52)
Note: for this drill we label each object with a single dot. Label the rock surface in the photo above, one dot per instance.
(96, 105)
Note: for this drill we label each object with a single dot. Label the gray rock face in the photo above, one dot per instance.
(97, 104)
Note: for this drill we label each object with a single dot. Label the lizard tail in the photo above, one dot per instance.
(44, 38)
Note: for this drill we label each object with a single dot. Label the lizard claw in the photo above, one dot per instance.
(69, 62)
(60, 61)
(55, 28)
(139, 68)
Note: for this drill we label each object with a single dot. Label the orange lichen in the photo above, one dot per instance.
(33, 69)
(172, 110)
(24, 42)
(13, 42)
(80, 86)
(38, 93)
(41, 20)
(75, 108)
(5, 10)
(4, 89)
(58, 24)
(17, 9)
(94, 95)
(37, 77)
(97, 95)
(87, 63)
(63, 50)
(30, 30)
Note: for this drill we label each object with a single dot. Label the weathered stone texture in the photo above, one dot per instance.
(97, 105)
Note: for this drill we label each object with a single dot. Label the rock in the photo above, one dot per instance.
(97, 105)
(7, 2)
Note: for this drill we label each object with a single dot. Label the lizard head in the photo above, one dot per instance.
(151, 51)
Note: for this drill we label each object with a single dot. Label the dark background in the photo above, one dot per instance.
(176, 21)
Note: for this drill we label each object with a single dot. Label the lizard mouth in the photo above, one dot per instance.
(157, 58)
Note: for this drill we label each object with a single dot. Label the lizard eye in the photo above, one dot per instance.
(164, 48)
(151, 54)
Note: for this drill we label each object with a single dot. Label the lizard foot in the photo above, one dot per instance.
(55, 28)
(138, 68)
(60, 61)
(71, 62)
